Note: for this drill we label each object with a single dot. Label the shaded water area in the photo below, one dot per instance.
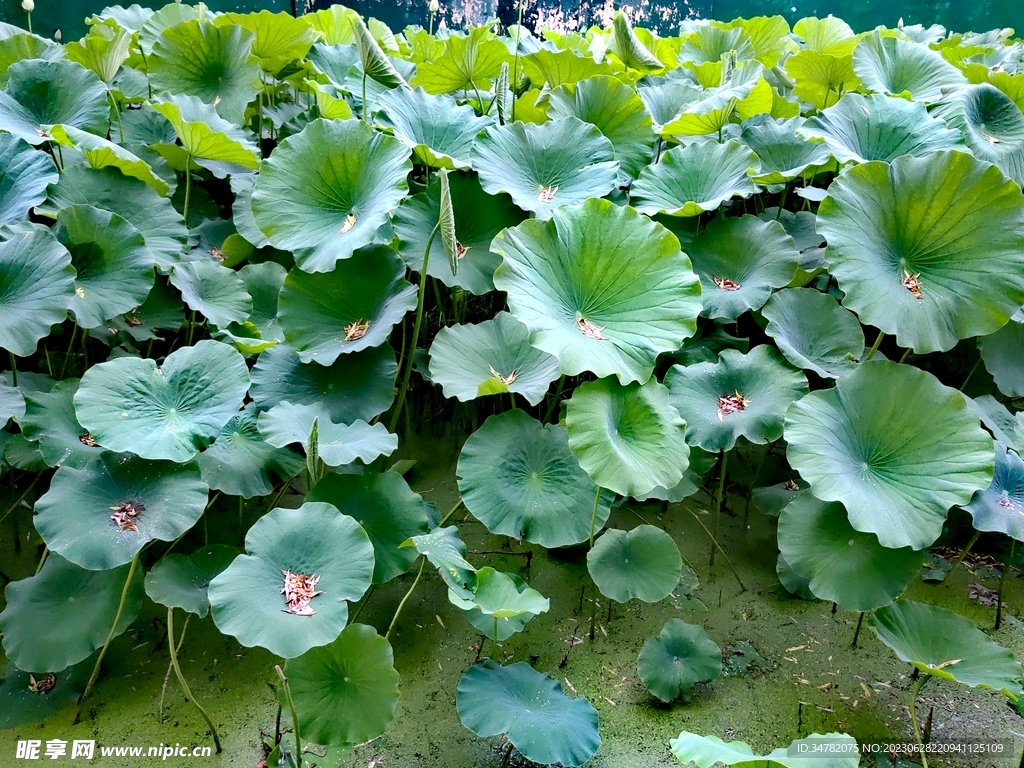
(791, 668)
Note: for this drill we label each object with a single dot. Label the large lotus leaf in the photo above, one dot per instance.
(345, 692)
(618, 113)
(170, 412)
(681, 655)
(519, 479)
(36, 286)
(62, 614)
(205, 136)
(831, 750)
(643, 563)
(74, 517)
(706, 50)
(103, 50)
(742, 395)
(101, 153)
(557, 68)
(356, 386)
(333, 24)
(492, 357)
(768, 35)
(386, 507)
(469, 61)
(1003, 354)
(813, 332)
(160, 20)
(821, 78)
(20, 45)
(1000, 507)
(241, 463)
(24, 176)
(279, 38)
(895, 446)
(210, 61)
(41, 93)
(478, 218)
(544, 724)
(629, 439)
(894, 65)
(740, 261)
(541, 167)
(745, 95)
(698, 177)
(991, 124)
(177, 581)
(336, 445)
(49, 419)
(351, 308)
(842, 564)
(600, 287)
(213, 290)
(314, 540)
(794, 583)
(664, 100)
(24, 701)
(447, 552)
(439, 132)
(784, 154)
(326, 191)
(942, 643)
(930, 249)
(114, 271)
(864, 128)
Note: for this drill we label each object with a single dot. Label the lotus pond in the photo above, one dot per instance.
(497, 397)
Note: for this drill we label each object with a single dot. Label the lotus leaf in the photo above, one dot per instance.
(49, 419)
(24, 176)
(469, 61)
(1000, 507)
(205, 136)
(813, 332)
(678, 657)
(890, 64)
(447, 552)
(213, 290)
(991, 124)
(831, 750)
(784, 154)
(177, 581)
(1001, 353)
(643, 563)
(41, 93)
(500, 604)
(336, 444)
(439, 132)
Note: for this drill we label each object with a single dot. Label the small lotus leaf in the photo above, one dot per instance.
(681, 655)
(337, 444)
(177, 581)
(1003, 358)
(813, 332)
(1000, 507)
(213, 290)
(643, 563)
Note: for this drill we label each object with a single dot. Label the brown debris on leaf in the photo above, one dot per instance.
(590, 330)
(913, 284)
(217, 254)
(547, 194)
(125, 514)
(460, 250)
(350, 221)
(734, 403)
(44, 684)
(725, 284)
(298, 590)
(133, 321)
(506, 380)
(356, 329)
(88, 440)
(790, 485)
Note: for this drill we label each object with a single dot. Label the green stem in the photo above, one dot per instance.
(874, 347)
(46, 552)
(71, 346)
(28, 15)
(913, 718)
(514, 83)
(407, 375)
(856, 633)
(117, 113)
(181, 679)
(21, 498)
(362, 113)
(723, 467)
(295, 715)
(188, 187)
(452, 511)
(963, 554)
(905, 355)
(593, 515)
(14, 370)
(1002, 584)
(719, 547)
(753, 483)
(401, 605)
(971, 373)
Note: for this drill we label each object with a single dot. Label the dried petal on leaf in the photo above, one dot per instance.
(298, 590)
(734, 403)
(590, 330)
(725, 284)
(356, 329)
(125, 512)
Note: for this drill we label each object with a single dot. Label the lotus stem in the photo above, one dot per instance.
(514, 83)
(452, 511)
(20, 498)
(970, 373)
(188, 190)
(181, 679)
(856, 633)
(401, 605)
(963, 554)
(415, 330)
(362, 111)
(14, 369)
(170, 668)
(593, 515)
(554, 402)
(110, 636)
(295, 715)
(46, 552)
(719, 547)
(913, 718)
(1002, 584)
(905, 355)
(874, 347)
(723, 467)
(28, 17)
(753, 483)
(71, 346)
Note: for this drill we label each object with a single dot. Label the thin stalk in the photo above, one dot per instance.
(20, 498)
(970, 374)
(188, 187)
(71, 346)
(170, 668)
(295, 715)
(1002, 584)
(46, 552)
(723, 467)
(280, 493)
(913, 717)
(362, 112)
(181, 679)
(110, 636)
(963, 554)
(401, 605)
(28, 15)
(728, 562)
(191, 328)
(117, 113)
(452, 511)
(554, 401)
(415, 330)
(874, 347)
(14, 369)
(753, 483)
(905, 355)
(856, 633)
(514, 84)
(782, 201)
(593, 515)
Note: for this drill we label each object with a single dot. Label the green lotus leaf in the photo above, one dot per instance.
(743, 96)
(469, 62)
(681, 655)
(946, 645)
(618, 113)
(627, 46)
(489, 358)
(177, 581)
(41, 93)
(340, 180)
(541, 167)
(386, 507)
(698, 177)
(540, 721)
(212, 62)
(784, 154)
(742, 395)
(333, 24)
(794, 583)
(24, 176)
(81, 603)
(1001, 353)
(519, 479)
(375, 62)
(170, 412)
(813, 332)
(700, 464)
(819, 78)
(160, 20)
(498, 630)
(21, 45)
(600, 287)
(447, 552)
(929, 249)
(204, 134)
(100, 153)
(345, 692)
(103, 50)
(12, 401)
(36, 286)
(114, 272)
(356, 386)
(994, 417)
(439, 132)
(557, 68)
(162, 310)
(628, 438)
(213, 290)
(351, 308)
(22, 454)
(829, 35)
(705, 51)
(643, 563)
(337, 444)
(842, 564)
(278, 38)
(478, 218)
(831, 750)
(665, 100)
(991, 125)
(241, 463)
(864, 128)
(49, 419)
(768, 36)
(500, 597)
(894, 65)
(22, 701)
(895, 446)
(1000, 507)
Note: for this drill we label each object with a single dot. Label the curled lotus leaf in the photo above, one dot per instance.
(991, 124)
(177, 581)
(1000, 507)
(24, 176)
(336, 444)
